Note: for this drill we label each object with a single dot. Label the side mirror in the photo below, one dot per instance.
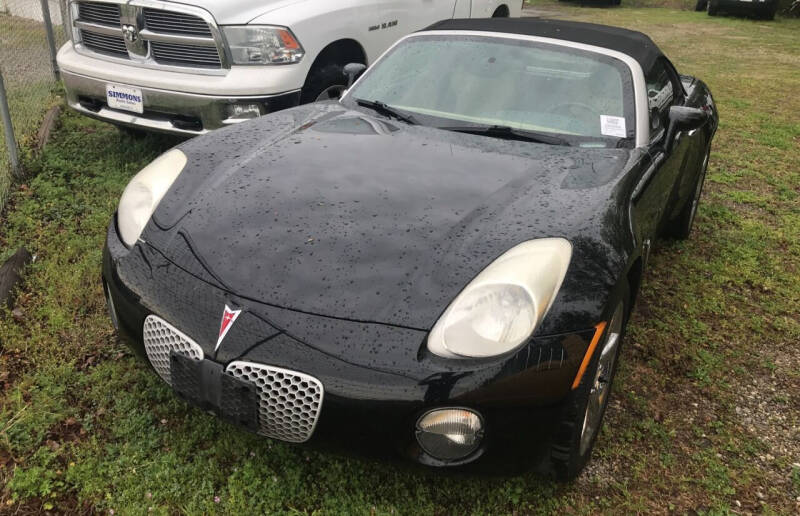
(682, 118)
(353, 71)
(687, 118)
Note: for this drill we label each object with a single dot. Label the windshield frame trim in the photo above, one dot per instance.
(641, 112)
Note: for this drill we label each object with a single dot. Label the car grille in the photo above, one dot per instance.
(185, 55)
(104, 44)
(290, 402)
(175, 23)
(160, 339)
(160, 38)
(104, 14)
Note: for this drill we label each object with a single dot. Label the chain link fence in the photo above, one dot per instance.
(30, 32)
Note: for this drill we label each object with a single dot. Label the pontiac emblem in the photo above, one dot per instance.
(130, 33)
(228, 318)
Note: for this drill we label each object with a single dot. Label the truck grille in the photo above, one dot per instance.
(104, 44)
(175, 23)
(159, 39)
(185, 55)
(289, 401)
(104, 14)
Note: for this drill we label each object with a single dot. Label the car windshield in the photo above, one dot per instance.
(481, 84)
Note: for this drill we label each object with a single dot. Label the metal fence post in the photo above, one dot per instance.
(51, 39)
(11, 142)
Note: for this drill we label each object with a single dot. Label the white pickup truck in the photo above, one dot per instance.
(191, 67)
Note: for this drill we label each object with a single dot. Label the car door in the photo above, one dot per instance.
(664, 90)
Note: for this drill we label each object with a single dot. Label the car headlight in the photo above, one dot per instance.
(501, 307)
(144, 192)
(262, 44)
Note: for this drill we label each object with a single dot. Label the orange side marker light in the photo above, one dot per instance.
(598, 332)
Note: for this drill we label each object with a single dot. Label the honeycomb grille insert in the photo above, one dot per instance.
(160, 338)
(289, 401)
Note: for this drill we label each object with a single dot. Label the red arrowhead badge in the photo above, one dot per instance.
(228, 318)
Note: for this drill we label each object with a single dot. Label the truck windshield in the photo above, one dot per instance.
(453, 81)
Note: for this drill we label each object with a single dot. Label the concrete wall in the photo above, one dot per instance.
(31, 9)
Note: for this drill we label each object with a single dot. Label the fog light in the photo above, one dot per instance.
(244, 111)
(450, 434)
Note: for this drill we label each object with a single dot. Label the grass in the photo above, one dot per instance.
(704, 414)
(25, 63)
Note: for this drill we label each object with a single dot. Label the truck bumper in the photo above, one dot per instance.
(183, 103)
(173, 112)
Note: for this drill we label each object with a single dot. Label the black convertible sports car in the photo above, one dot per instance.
(442, 263)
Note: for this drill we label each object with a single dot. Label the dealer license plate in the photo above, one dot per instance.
(125, 98)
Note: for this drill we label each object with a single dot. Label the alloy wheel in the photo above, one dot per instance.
(601, 383)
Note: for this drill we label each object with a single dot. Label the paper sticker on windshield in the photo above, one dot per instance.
(613, 126)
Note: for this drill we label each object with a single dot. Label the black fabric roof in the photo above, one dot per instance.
(633, 43)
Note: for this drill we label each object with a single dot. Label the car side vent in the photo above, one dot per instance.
(290, 402)
(161, 338)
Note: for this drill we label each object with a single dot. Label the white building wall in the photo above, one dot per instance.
(31, 9)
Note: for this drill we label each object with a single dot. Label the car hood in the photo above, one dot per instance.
(230, 12)
(338, 213)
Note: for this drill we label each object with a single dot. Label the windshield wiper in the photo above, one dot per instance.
(509, 133)
(385, 109)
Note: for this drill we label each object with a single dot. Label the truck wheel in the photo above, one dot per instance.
(701, 5)
(712, 9)
(326, 82)
(585, 407)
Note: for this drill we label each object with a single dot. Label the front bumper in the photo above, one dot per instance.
(172, 112)
(189, 102)
(372, 398)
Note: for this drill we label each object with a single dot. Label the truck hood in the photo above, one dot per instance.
(238, 12)
(339, 213)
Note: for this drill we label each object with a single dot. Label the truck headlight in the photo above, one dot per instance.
(262, 44)
(501, 307)
(144, 192)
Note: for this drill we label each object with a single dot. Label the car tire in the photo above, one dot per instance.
(325, 82)
(701, 5)
(712, 9)
(768, 13)
(575, 434)
(681, 226)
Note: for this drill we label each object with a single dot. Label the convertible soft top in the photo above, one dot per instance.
(630, 42)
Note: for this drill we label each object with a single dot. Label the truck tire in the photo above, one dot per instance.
(501, 12)
(701, 5)
(712, 9)
(324, 82)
